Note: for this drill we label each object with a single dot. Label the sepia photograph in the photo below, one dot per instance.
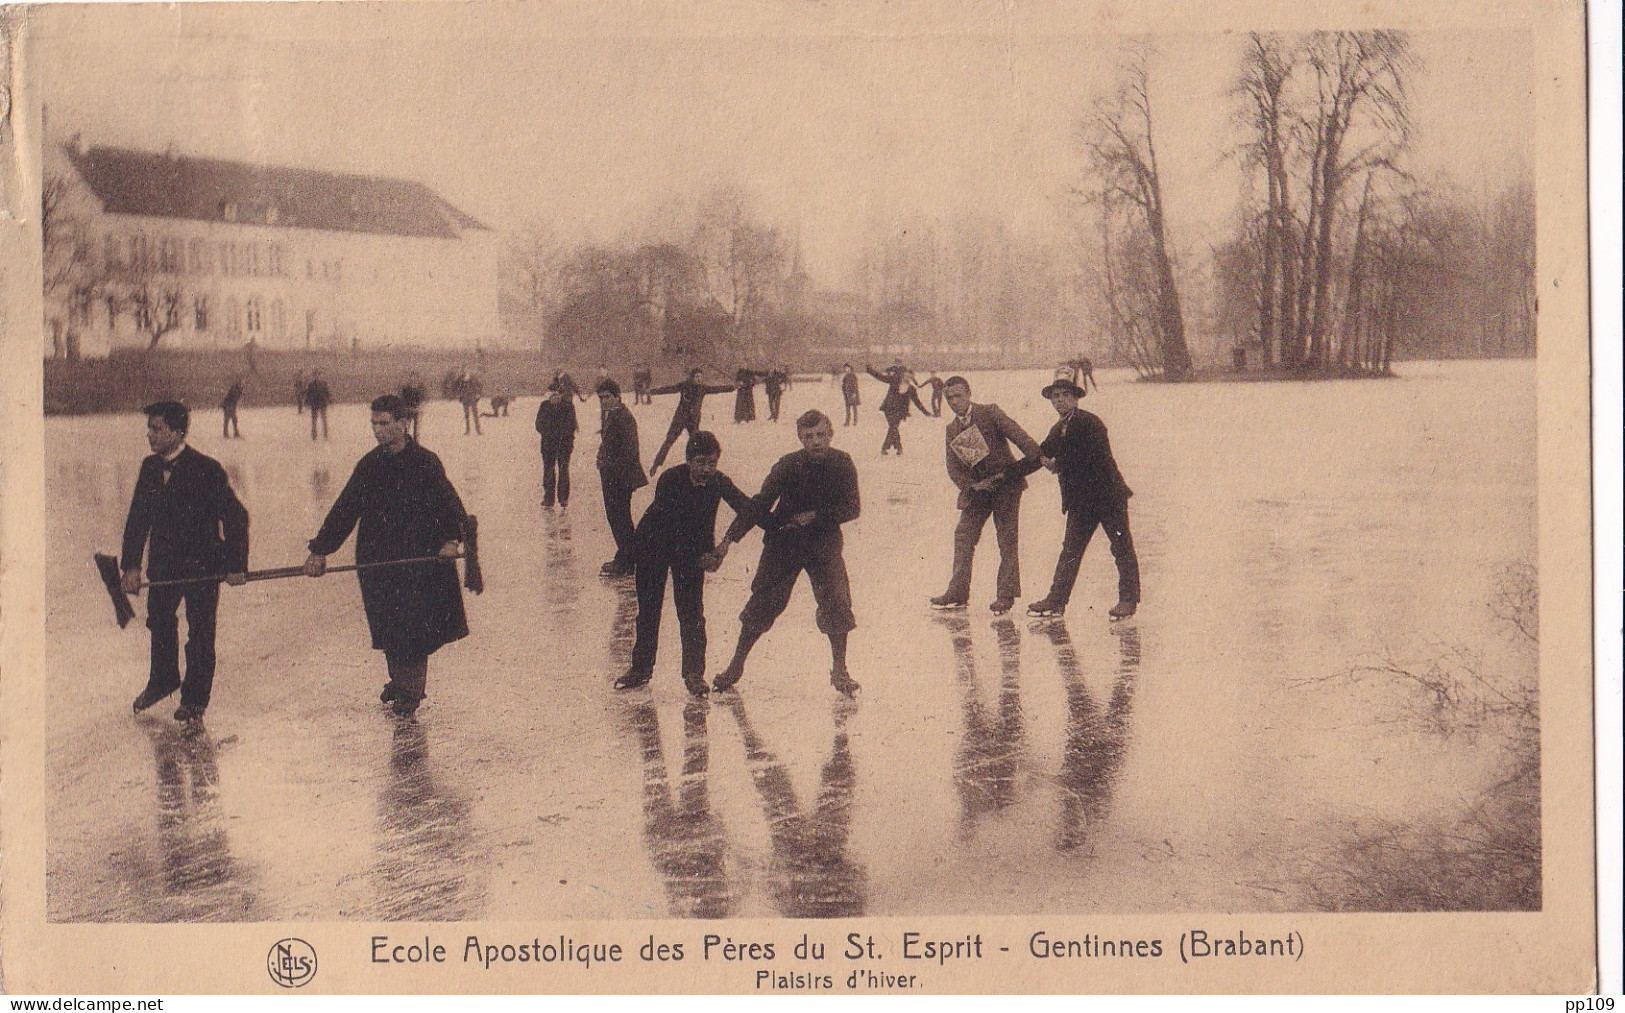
(1195, 588)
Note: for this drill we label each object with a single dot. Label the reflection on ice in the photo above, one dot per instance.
(810, 874)
(685, 838)
(990, 749)
(200, 878)
(428, 868)
(1095, 741)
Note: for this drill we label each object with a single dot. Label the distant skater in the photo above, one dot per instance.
(894, 406)
(565, 382)
(406, 508)
(774, 382)
(184, 507)
(228, 410)
(803, 503)
(981, 466)
(936, 383)
(317, 397)
(690, 404)
(745, 395)
(300, 385)
(412, 394)
(642, 380)
(469, 391)
(556, 427)
(620, 474)
(1083, 373)
(1093, 494)
(677, 535)
(849, 394)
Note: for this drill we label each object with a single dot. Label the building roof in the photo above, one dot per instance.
(206, 189)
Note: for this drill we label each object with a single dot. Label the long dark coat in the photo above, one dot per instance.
(618, 458)
(406, 508)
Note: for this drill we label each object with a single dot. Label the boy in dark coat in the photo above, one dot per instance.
(807, 497)
(183, 505)
(317, 397)
(228, 410)
(620, 474)
(849, 395)
(678, 535)
(1093, 494)
(981, 465)
(556, 425)
(406, 508)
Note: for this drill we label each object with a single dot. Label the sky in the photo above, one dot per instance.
(842, 120)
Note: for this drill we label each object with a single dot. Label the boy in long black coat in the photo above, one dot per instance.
(406, 508)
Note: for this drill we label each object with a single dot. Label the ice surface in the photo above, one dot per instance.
(1202, 755)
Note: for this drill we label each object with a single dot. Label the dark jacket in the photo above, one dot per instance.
(799, 482)
(556, 424)
(998, 431)
(317, 394)
(406, 508)
(1085, 467)
(618, 457)
(197, 525)
(898, 393)
(680, 524)
(849, 389)
(690, 397)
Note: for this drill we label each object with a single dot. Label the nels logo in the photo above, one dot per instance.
(291, 963)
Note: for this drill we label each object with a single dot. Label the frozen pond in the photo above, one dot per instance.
(1206, 755)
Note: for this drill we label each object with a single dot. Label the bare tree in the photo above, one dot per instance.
(1267, 66)
(1357, 119)
(1118, 138)
(534, 261)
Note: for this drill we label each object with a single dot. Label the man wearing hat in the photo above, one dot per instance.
(620, 473)
(1093, 494)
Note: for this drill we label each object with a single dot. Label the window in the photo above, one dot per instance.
(171, 303)
(252, 250)
(228, 210)
(275, 267)
(253, 314)
(169, 255)
(81, 245)
(197, 257)
(234, 321)
(225, 258)
(279, 319)
(111, 246)
(112, 313)
(200, 313)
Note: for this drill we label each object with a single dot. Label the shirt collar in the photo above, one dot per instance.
(180, 449)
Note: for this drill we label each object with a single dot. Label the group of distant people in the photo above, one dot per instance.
(410, 524)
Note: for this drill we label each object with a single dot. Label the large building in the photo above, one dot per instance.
(196, 253)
